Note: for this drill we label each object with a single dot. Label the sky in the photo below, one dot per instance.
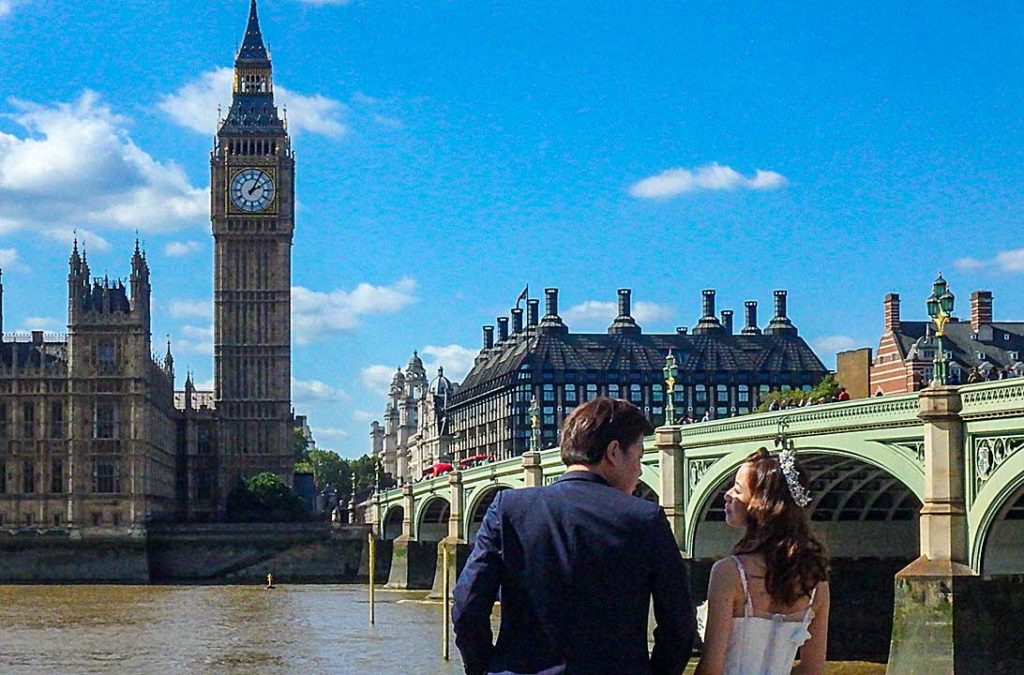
(451, 152)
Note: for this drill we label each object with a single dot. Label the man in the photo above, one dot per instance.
(577, 564)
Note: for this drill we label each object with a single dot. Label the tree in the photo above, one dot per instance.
(264, 498)
(827, 389)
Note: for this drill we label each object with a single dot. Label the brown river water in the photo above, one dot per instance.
(229, 629)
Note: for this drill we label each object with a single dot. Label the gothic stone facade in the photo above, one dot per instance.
(92, 433)
(87, 423)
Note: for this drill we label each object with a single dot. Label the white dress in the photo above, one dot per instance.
(762, 643)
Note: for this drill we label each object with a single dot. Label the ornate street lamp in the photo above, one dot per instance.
(940, 309)
(534, 425)
(670, 371)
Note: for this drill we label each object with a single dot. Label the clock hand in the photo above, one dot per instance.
(254, 186)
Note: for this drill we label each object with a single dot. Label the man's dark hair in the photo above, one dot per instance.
(592, 426)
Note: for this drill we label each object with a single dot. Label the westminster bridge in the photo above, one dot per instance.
(933, 478)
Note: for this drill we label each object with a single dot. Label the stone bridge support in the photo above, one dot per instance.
(673, 499)
(457, 548)
(929, 631)
(405, 551)
(533, 472)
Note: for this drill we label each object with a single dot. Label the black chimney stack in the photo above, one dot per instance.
(727, 321)
(552, 323)
(751, 327)
(624, 323)
(532, 312)
(708, 322)
(502, 329)
(517, 321)
(780, 323)
(488, 337)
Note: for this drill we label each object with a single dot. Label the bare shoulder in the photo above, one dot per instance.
(823, 595)
(724, 574)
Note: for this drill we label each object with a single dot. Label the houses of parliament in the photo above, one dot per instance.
(92, 432)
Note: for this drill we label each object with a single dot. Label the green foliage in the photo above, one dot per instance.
(300, 446)
(827, 389)
(264, 498)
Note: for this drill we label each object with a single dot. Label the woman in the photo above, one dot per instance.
(771, 597)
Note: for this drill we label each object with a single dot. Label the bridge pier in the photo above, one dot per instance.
(406, 552)
(668, 441)
(453, 543)
(928, 616)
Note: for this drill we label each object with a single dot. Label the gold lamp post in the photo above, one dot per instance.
(940, 309)
(670, 371)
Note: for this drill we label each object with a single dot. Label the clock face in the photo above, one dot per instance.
(252, 190)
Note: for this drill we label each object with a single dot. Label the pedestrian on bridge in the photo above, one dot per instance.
(577, 564)
(771, 596)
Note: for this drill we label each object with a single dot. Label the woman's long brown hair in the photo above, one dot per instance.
(779, 530)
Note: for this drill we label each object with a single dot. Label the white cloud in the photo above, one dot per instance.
(194, 106)
(363, 416)
(7, 5)
(830, 344)
(1008, 262)
(307, 391)
(205, 385)
(77, 166)
(194, 340)
(594, 312)
(198, 309)
(326, 436)
(455, 359)
(713, 176)
(377, 378)
(317, 315)
(44, 323)
(10, 262)
(178, 249)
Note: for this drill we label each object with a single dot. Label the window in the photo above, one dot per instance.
(570, 393)
(549, 392)
(1014, 356)
(613, 391)
(105, 424)
(743, 395)
(636, 394)
(722, 393)
(3, 421)
(657, 393)
(106, 356)
(591, 392)
(117, 519)
(56, 519)
(105, 475)
(28, 477)
(27, 518)
(57, 419)
(702, 393)
(28, 420)
(3, 477)
(679, 394)
(96, 518)
(549, 415)
(57, 476)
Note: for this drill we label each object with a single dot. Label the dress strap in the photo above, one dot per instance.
(810, 604)
(748, 604)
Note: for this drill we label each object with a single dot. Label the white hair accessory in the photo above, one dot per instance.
(787, 462)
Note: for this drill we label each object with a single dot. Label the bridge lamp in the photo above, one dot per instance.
(940, 309)
(670, 371)
(534, 412)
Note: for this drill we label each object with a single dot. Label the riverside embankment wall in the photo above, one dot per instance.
(193, 553)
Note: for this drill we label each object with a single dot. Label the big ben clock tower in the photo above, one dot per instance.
(252, 205)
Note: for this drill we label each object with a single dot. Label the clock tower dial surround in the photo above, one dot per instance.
(252, 195)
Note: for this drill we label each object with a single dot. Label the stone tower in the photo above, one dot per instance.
(252, 206)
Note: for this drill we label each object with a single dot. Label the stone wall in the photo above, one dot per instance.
(245, 553)
(52, 558)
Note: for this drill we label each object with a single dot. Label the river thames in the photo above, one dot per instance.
(227, 629)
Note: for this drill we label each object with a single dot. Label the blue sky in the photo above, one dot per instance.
(451, 152)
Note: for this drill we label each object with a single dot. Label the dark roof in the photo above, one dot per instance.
(252, 48)
(696, 355)
(994, 341)
(30, 355)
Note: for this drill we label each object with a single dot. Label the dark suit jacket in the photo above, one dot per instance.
(577, 564)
